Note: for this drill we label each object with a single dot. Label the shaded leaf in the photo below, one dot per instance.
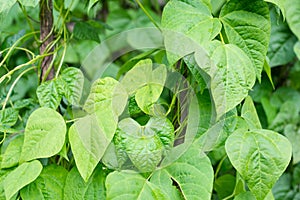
(86, 31)
(49, 185)
(31, 3)
(12, 153)
(293, 134)
(8, 117)
(77, 188)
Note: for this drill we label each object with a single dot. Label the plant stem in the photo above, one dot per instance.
(47, 37)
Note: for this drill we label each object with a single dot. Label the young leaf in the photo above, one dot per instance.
(145, 145)
(131, 185)
(232, 75)
(49, 184)
(254, 153)
(13, 152)
(249, 114)
(88, 142)
(146, 96)
(72, 84)
(21, 176)
(247, 25)
(292, 16)
(44, 134)
(77, 188)
(50, 93)
(8, 117)
(193, 174)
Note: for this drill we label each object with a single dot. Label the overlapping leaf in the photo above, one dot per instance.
(292, 16)
(247, 25)
(232, 76)
(50, 93)
(13, 152)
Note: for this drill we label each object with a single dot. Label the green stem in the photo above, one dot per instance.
(14, 84)
(14, 46)
(219, 166)
(148, 15)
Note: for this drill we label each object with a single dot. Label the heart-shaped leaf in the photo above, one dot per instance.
(145, 145)
(88, 142)
(253, 153)
(193, 174)
(247, 25)
(44, 134)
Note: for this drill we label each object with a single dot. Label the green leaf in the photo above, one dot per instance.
(293, 134)
(21, 176)
(247, 25)
(282, 187)
(288, 113)
(88, 142)
(131, 185)
(44, 134)
(72, 84)
(31, 3)
(49, 185)
(217, 134)
(107, 97)
(86, 31)
(50, 93)
(245, 196)
(232, 75)
(77, 188)
(187, 19)
(249, 114)
(292, 16)
(193, 174)
(254, 153)
(162, 179)
(224, 185)
(3, 174)
(282, 40)
(145, 145)
(6, 5)
(280, 4)
(13, 152)
(8, 117)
